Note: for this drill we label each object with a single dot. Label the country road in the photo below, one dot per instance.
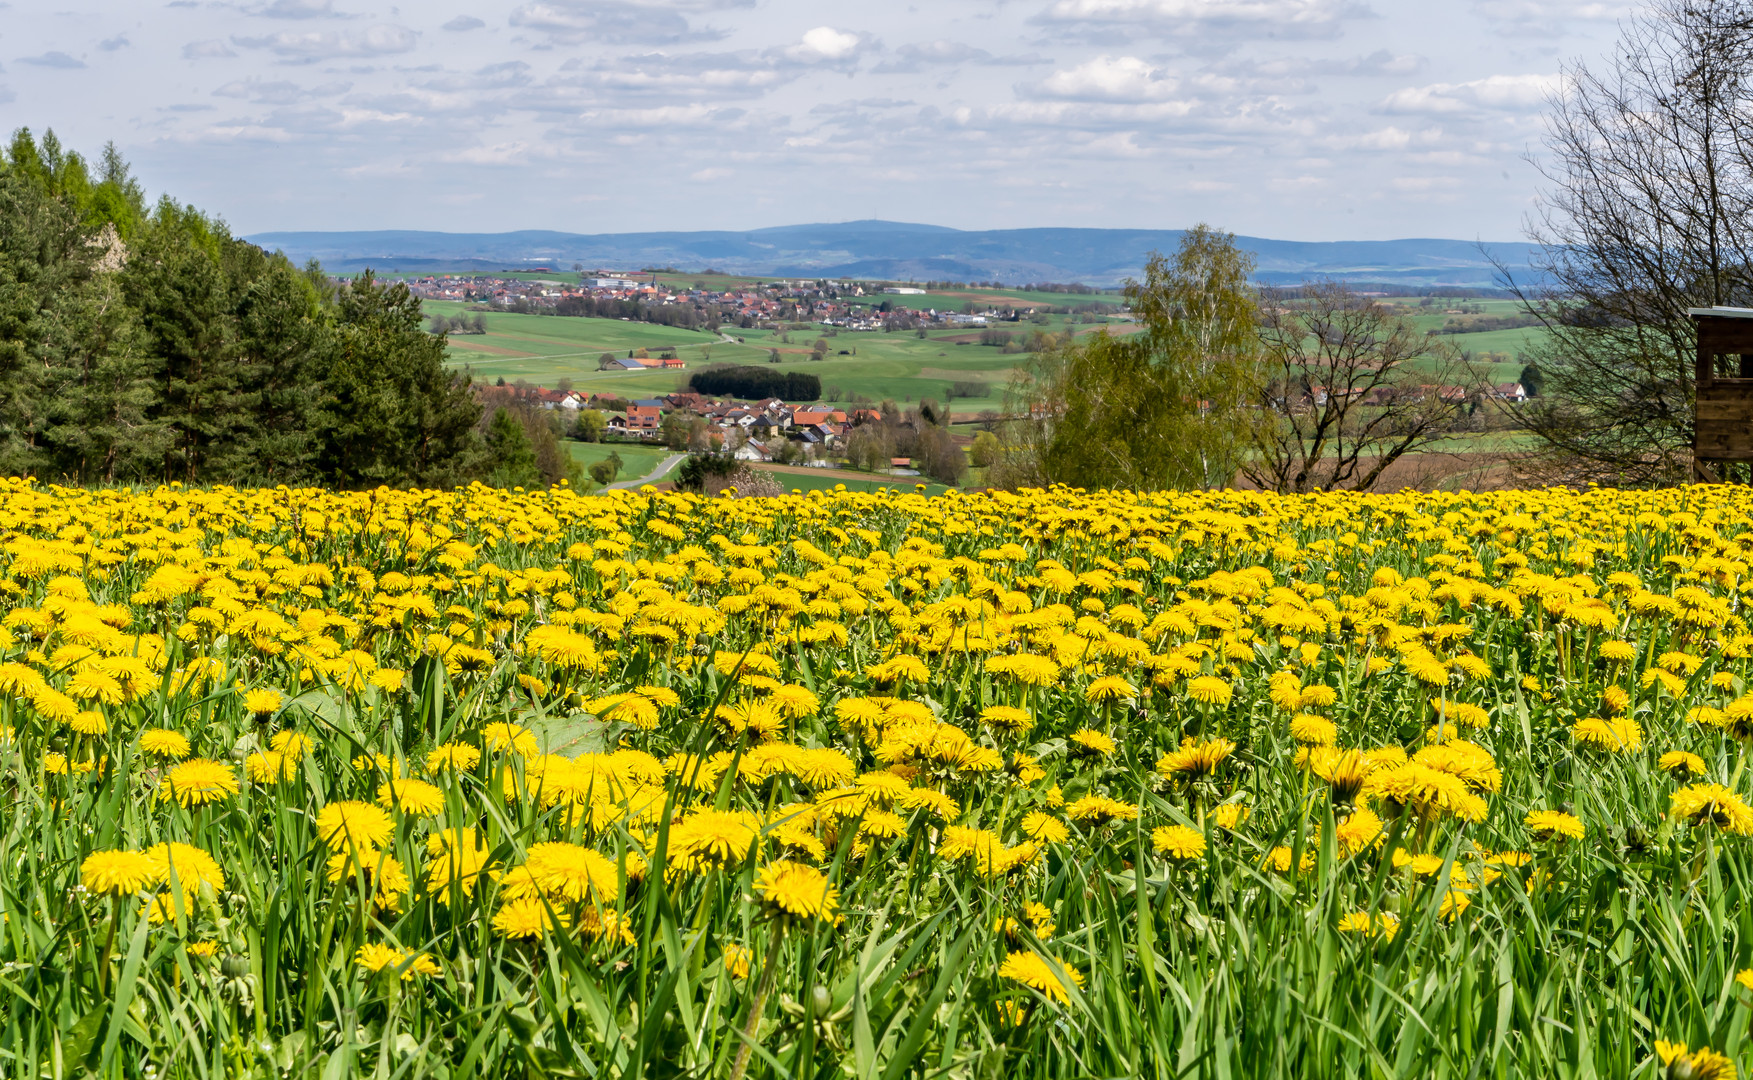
(651, 477)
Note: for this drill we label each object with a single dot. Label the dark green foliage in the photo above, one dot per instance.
(1531, 379)
(146, 343)
(1172, 407)
(393, 414)
(753, 383)
(512, 459)
(534, 456)
(705, 472)
(605, 471)
(72, 381)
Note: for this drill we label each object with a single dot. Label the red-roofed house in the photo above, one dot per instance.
(644, 419)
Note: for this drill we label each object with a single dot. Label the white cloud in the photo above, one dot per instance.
(691, 76)
(1107, 78)
(825, 44)
(1388, 138)
(1510, 93)
(698, 115)
(308, 46)
(464, 22)
(120, 41)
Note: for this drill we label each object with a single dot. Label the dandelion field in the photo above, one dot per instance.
(1058, 784)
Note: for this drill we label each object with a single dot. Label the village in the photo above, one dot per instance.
(769, 430)
(844, 305)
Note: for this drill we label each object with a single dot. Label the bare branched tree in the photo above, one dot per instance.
(1354, 388)
(1650, 212)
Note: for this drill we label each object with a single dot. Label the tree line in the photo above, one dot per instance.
(754, 383)
(457, 324)
(141, 342)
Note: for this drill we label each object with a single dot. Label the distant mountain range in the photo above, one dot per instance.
(893, 251)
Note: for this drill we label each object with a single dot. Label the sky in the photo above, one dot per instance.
(1289, 119)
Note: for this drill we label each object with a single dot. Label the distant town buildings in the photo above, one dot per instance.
(840, 305)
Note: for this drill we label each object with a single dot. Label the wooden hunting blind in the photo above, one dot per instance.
(1723, 422)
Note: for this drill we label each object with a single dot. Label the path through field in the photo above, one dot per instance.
(651, 477)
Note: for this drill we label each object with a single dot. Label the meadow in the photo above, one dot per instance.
(1511, 343)
(636, 460)
(542, 349)
(877, 366)
(1053, 784)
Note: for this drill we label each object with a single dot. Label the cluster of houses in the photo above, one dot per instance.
(839, 304)
(754, 430)
(758, 302)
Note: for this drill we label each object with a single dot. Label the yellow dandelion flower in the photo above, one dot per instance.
(708, 838)
(530, 917)
(164, 745)
(119, 873)
(1109, 688)
(1385, 924)
(198, 782)
(1008, 717)
(1210, 690)
(1681, 765)
(1619, 734)
(89, 723)
(1312, 730)
(1195, 760)
(1091, 743)
(1178, 842)
(737, 959)
(263, 702)
(411, 796)
(1099, 810)
(352, 824)
(1229, 815)
(1042, 826)
(797, 890)
(190, 867)
(514, 737)
(1714, 803)
(375, 958)
(1051, 977)
(460, 757)
(1554, 825)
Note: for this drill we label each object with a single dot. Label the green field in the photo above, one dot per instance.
(543, 349)
(902, 367)
(1512, 343)
(636, 461)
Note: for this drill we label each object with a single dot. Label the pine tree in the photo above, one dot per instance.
(392, 413)
(145, 343)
